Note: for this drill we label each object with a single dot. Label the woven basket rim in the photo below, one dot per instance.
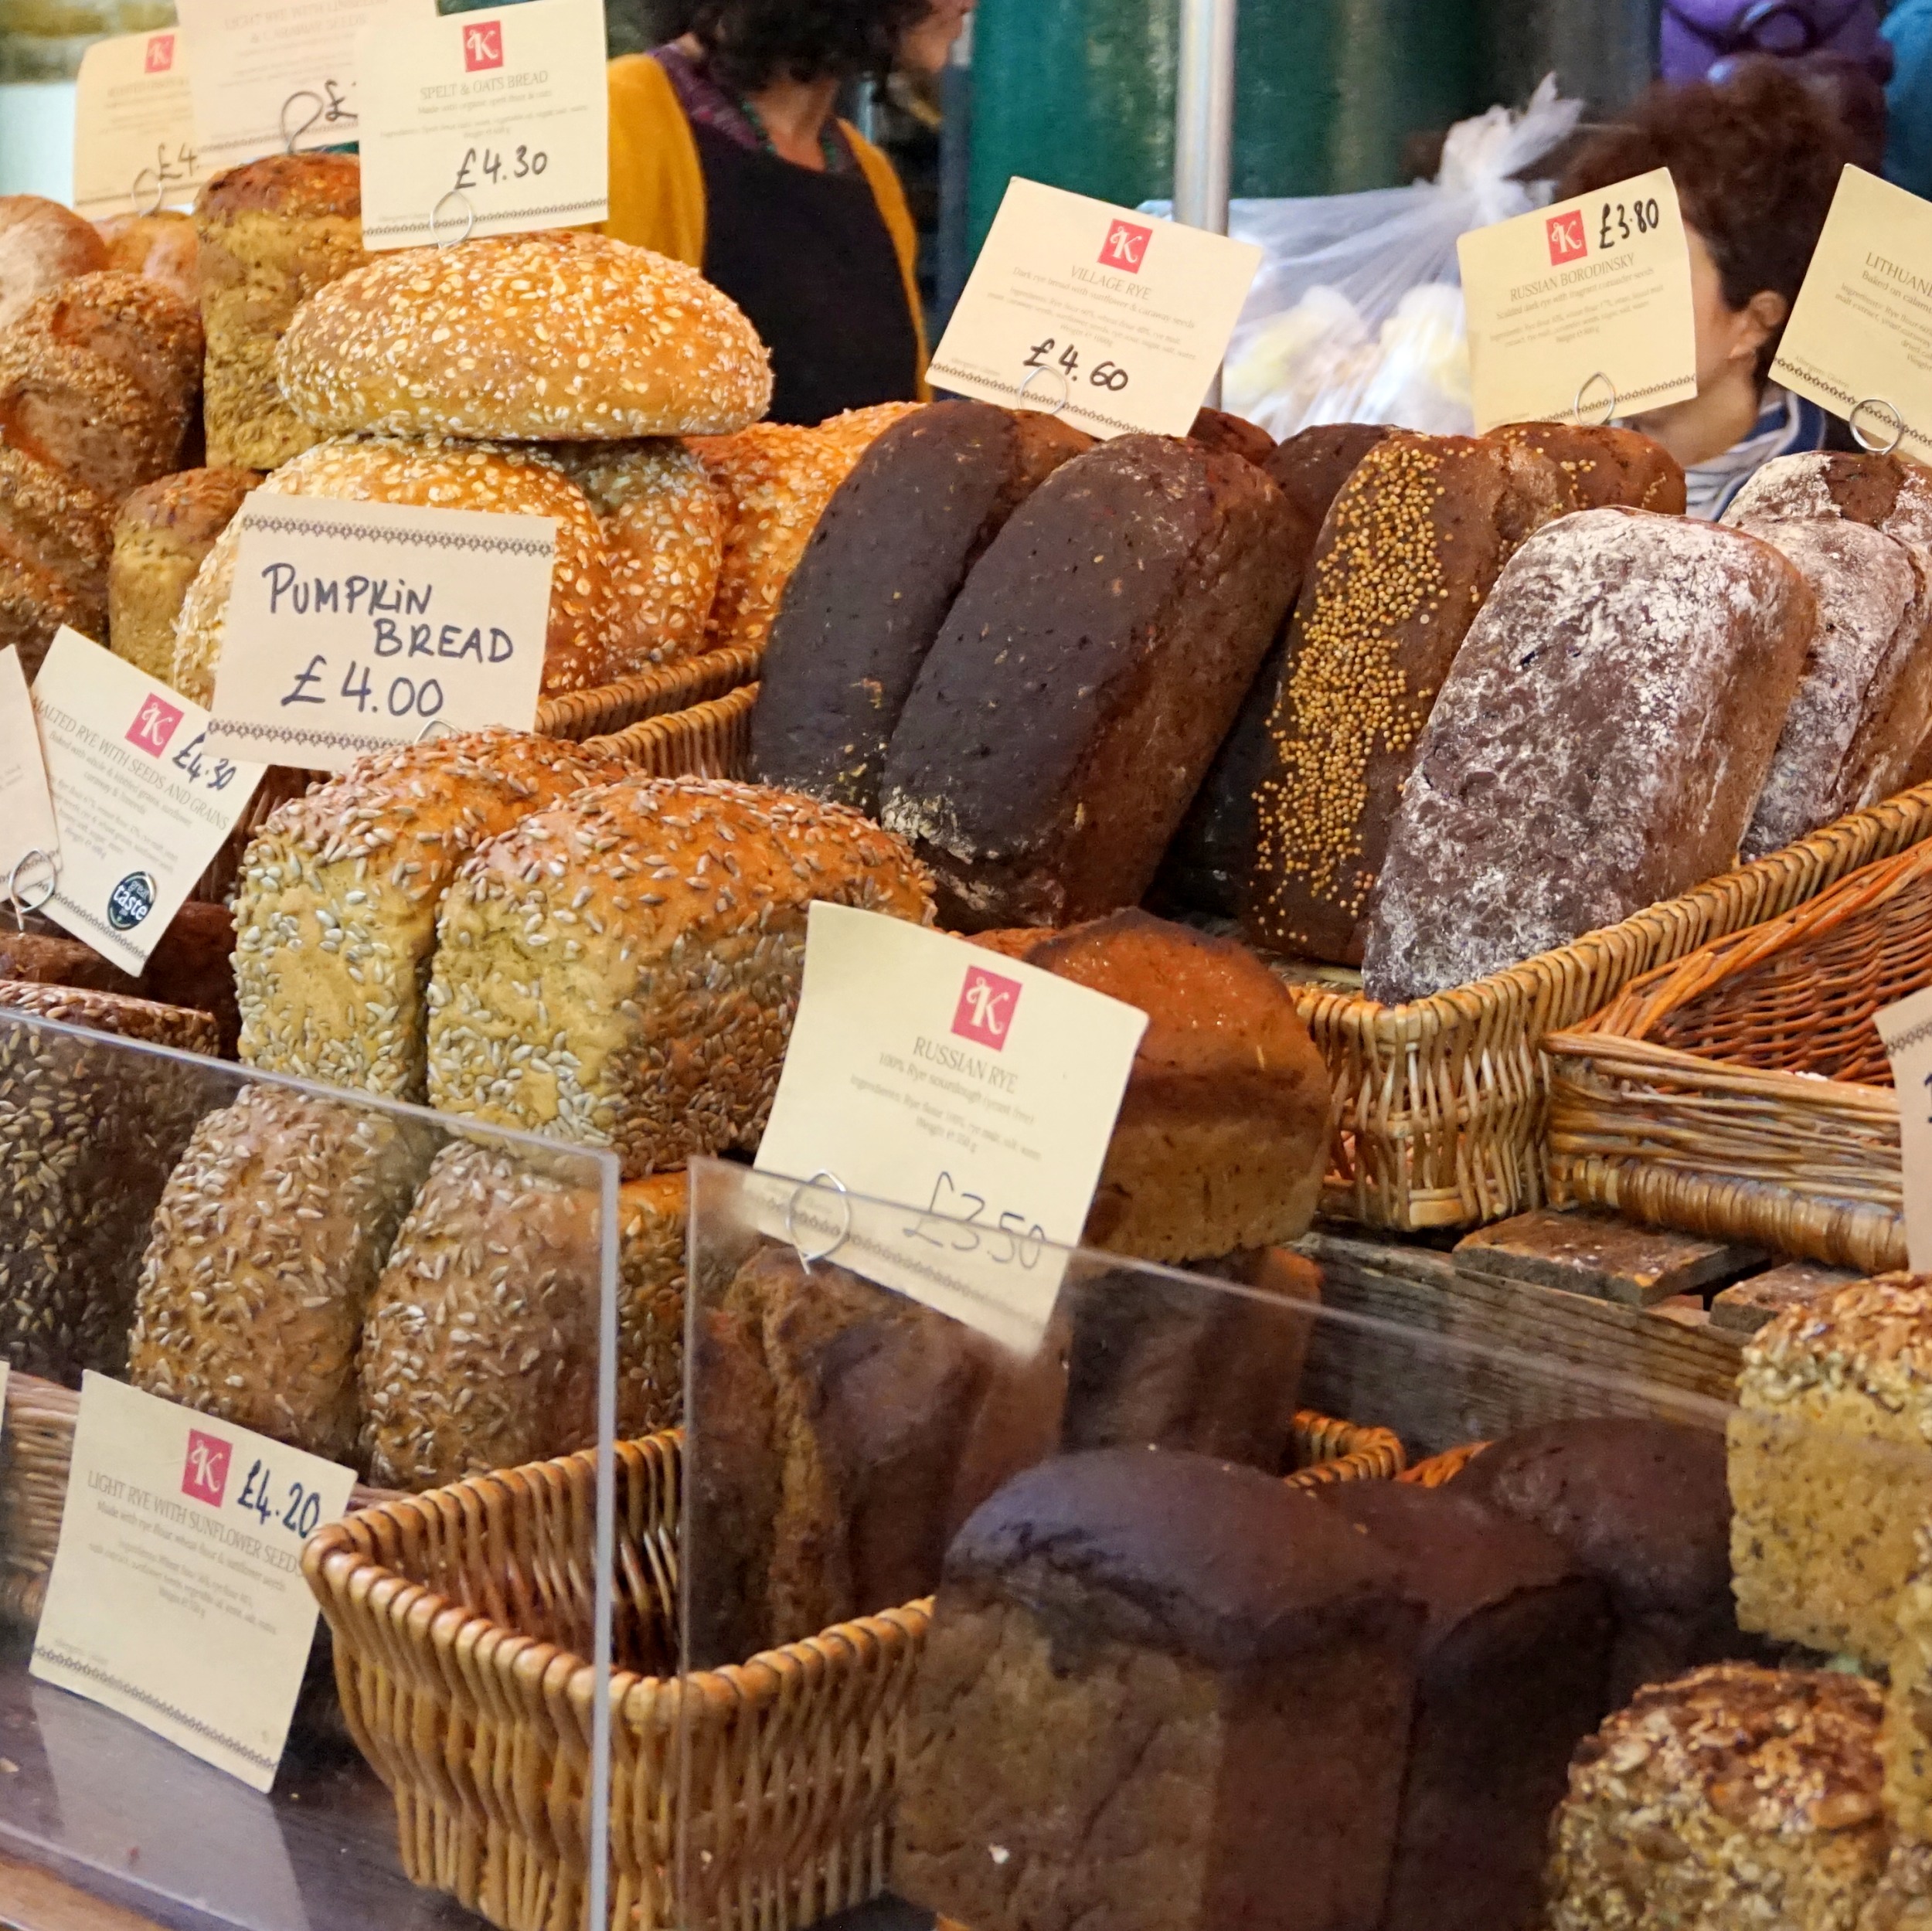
(1613, 1057)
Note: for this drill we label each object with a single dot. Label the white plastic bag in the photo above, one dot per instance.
(1356, 316)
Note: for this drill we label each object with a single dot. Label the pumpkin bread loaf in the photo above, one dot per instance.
(162, 533)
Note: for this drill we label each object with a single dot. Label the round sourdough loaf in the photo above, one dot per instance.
(42, 244)
(437, 475)
(533, 338)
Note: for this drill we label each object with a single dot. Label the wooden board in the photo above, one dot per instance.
(1597, 1254)
(1748, 1306)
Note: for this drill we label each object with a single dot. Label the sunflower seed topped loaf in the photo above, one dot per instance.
(270, 232)
(544, 338)
(622, 970)
(1906, 1740)
(884, 564)
(162, 533)
(1599, 745)
(1859, 528)
(438, 474)
(335, 912)
(1733, 1797)
(1078, 690)
(55, 537)
(268, 1240)
(1831, 1466)
(41, 245)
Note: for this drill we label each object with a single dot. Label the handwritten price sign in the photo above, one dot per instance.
(134, 145)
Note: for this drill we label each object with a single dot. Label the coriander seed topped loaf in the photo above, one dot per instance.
(335, 913)
(622, 970)
(543, 338)
(1604, 465)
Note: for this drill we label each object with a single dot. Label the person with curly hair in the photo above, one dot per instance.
(726, 151)
(1755, 160)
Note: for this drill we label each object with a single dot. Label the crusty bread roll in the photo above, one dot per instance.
(97, 379)
(41, 245)
(56, 535)
(352, 876)
(531, 338)
(164, 531)
(271, 232)
(161, 246)
(437, 475)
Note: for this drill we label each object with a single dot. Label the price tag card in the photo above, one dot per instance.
(134, 127)
(140, 801)
(355, 626)
(1116, 320)
(1581, 308)
(1906, 1030)
(177, 1596)
(28, 838)
(1861, 331)
(924, 1070)
(484, 123)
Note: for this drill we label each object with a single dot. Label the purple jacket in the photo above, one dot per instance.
(1701, 35)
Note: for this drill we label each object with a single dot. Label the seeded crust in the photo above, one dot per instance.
(622, 970)
(160, 246)
(436, 474)
(479, 1349)
(1735, 1799)
(267, 1241)
(1906, 1741)
(270, 233)
(41, 245)
(164, 531)
(56, 535)
(663, 526)
(335, 913)
(1830, 1468)
(92, 1133)
(1605, 467)
(540, 338)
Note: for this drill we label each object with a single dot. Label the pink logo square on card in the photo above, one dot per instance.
(204, 1478)
(1126, 246)
(1567, 239)
(986, 1005)
(482, 45)
(154, 725)
(160, 57)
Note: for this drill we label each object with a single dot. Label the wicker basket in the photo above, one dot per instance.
(1441, 1106)
(709, 740)
(1744, 1093)
(1440, 1470)
(460, 1619)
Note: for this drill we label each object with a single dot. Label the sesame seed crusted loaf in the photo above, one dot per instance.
(335, 913)
(441, 475)
(270, 233)
(163, 531)
(1077, 693)
(267, 1241)
(55, 537)
(884, 564)
(545, 337)
(1735, 1796)
(1598, 746)
(622, 970)
(41, 245)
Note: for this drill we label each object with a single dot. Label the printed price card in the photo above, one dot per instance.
(1116, 320)
(1861, 331)
(177, 1596)
(141, 801)
(978, 1090)
(484, 123)
(134, 127)
(1906, 1030)
(1582, 310)
(355, 626)
(28, 838)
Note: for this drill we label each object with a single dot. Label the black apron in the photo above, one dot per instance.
(809, 258)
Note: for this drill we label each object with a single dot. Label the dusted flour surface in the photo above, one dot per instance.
(1599, 745)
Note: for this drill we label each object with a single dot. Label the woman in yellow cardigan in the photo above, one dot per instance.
(726, 152)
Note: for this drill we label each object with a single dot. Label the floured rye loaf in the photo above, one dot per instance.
(337, 905)
(1599, 745)
(1064, 719)
(1859, 528)
(1160, 1694)
(882, 570)
(622, 970)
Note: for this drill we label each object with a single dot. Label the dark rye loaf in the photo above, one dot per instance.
(1063, 720)
(1599, 745)
(882, 570)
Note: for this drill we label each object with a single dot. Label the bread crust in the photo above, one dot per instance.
(41, 245)
(162, 533)
(56, 536)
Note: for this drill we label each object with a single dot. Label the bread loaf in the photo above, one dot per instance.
(161, 534)
(1604, 466)
(55, 537)
(97, 380)
(1598, 747)
(1216, 429)
(270, 233)
(193, 965)
(544, 337)
(161, 246)
(52, 959)
(1079, 687)
(337, 906)
(442, 475)
(622, 970)
(41, 245)
(883, 566)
